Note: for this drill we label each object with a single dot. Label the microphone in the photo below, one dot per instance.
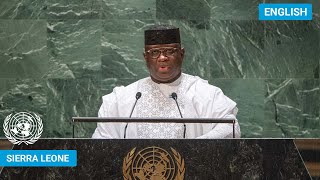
(175, 97)
(138, 96)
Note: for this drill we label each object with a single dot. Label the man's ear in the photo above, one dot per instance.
(145, 56)
(182, 53)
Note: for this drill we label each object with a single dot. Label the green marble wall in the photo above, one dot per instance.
(58, 57)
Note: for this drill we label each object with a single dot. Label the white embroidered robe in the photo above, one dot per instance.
(196, 99)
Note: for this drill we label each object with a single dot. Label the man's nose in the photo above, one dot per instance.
(162, 57)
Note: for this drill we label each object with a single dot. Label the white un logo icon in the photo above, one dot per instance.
(23, 127)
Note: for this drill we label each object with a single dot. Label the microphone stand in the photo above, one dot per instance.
(175, 97)
(138, 96)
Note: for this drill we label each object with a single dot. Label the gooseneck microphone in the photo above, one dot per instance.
(138, 96)
(175, 97)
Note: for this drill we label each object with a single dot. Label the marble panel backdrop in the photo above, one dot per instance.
(20, 95)
(23, 49)
(22, 9)
(57, 58)
(292, 104)
(74, 47)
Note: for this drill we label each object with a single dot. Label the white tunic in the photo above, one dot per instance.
(196, 99)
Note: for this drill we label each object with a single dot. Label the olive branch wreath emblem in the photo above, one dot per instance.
(127, 161)
(32, 140)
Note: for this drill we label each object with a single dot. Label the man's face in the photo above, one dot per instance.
(164, 61)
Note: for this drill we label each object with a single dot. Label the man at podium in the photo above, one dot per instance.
(167, 93)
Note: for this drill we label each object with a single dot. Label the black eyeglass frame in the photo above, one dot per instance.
(163, 51)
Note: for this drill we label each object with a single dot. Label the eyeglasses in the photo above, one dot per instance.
(155, 53)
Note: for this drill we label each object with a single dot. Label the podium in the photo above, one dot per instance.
(169, 159)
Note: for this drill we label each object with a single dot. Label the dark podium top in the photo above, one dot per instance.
(192, 159)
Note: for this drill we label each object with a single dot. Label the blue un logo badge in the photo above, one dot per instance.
(23, 127)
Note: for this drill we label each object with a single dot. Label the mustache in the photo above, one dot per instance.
(164, 64)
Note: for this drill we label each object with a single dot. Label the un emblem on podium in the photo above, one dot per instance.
(153, 163)
(23, 127)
